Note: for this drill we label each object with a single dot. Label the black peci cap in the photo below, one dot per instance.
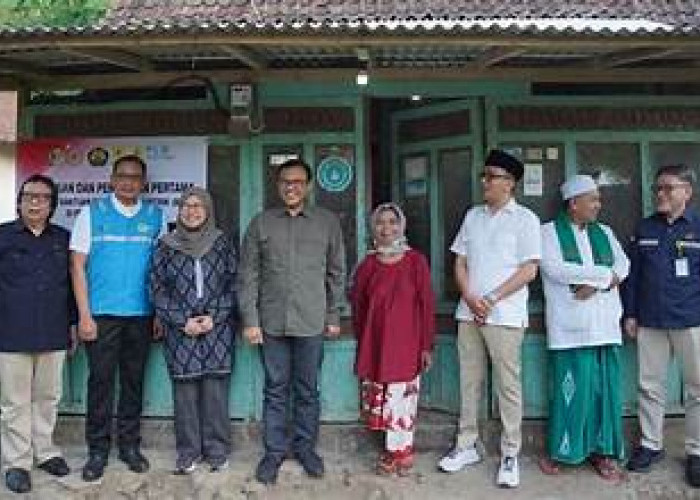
(510, 164)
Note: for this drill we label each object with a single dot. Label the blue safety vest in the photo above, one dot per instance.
(119, 258)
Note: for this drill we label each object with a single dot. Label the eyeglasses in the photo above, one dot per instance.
(667, 188)
(40, 198)
(128, 177)
(488, 176)
(295, 183)
(192, 206)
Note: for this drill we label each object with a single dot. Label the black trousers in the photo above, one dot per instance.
(122, 342)
(202, 426)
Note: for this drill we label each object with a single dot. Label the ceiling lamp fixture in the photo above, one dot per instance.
(362, 77)
(363, 59)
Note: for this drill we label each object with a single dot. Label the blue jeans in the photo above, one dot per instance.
(292, 366)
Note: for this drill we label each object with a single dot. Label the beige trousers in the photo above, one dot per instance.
(503, 345)
(654, 350)
(30, 389)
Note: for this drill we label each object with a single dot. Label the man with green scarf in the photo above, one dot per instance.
(582, 266)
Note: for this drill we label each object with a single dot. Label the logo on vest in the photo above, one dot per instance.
(143, 228)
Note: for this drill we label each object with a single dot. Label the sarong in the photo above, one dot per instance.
(585, 404)
(392, 408)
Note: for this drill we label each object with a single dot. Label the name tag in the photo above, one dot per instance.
(648, 243)
(682, 267)
(689, 244)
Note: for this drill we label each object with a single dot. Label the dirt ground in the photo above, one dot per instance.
(351, 477)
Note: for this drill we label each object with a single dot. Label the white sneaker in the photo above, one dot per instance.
(508, 473)
(458, 458)
(218, 467)
(184, 468)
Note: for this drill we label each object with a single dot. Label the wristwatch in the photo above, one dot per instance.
(491, 298)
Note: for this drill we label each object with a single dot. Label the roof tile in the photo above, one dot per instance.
(677, 13)
(548, 17)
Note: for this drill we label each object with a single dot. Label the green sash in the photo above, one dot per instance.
(600, 245)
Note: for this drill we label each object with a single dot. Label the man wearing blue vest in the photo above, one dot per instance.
(111, 245)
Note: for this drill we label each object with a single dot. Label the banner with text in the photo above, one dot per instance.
(82, 168)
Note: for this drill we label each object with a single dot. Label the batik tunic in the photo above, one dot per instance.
(174, 289)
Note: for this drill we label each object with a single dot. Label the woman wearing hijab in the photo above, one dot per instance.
(192, 284)
(393, 318)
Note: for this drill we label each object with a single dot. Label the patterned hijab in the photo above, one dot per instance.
(194, 242)
(400, 244)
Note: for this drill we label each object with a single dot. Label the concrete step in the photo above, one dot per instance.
(435, 432)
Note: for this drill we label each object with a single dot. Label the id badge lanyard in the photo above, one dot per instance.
(681, 261)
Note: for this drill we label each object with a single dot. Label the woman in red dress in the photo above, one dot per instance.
(393, 318)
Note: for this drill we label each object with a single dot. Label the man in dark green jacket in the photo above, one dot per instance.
(293, 281)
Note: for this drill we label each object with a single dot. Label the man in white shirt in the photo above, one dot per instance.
(112, 242)
(497, 252)
(582, 266)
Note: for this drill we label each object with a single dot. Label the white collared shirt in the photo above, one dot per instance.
(495, 245)
(579, 323)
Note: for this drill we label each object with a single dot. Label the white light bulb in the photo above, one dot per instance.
(362, 78)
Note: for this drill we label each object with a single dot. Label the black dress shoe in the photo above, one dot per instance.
(56, 466)
(311, 462)
(134, 460)
(644, 458)
(18, 480)
(267, 470)
(692, 470)
(95, 467)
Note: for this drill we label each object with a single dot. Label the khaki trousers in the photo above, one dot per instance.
(654, 349)
(503, 346)
(30, 389)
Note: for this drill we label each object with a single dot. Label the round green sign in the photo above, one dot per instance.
(334, 174)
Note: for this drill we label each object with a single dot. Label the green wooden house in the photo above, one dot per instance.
(410, 93)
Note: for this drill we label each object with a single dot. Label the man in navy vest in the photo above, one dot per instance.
(111, 244)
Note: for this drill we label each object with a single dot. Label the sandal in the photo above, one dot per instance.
(394, 463)
(404, 464)
(607, 468)
(548, 466)
(386, 464)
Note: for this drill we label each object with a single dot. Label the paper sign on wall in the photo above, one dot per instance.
(532, 180)
(533, 154)
(415, 176)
